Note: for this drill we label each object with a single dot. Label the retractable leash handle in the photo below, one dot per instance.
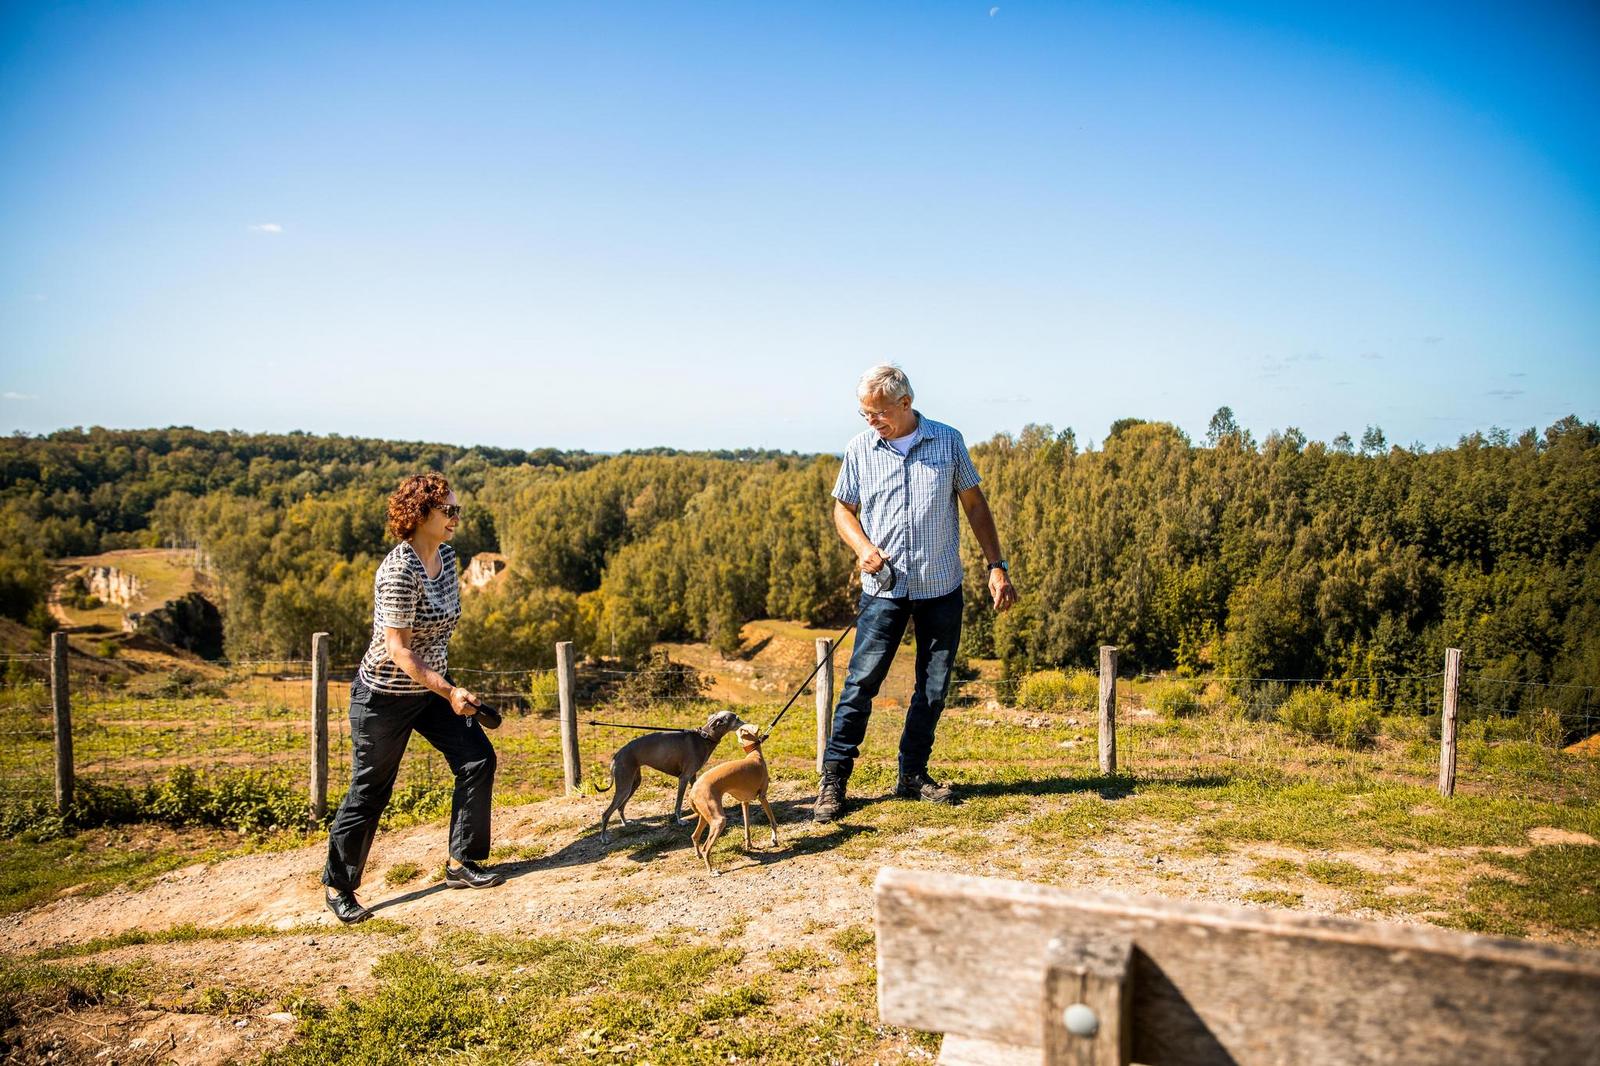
(487, 716)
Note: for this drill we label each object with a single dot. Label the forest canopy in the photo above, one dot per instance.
(1283, 558)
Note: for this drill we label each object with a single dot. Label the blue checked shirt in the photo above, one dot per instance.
(908, 505)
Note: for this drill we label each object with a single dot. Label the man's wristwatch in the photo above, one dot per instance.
(1000, 564)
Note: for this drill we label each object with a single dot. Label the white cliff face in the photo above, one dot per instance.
(111, 585)
(483, 569)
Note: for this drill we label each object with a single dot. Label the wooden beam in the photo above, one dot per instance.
(1214, 984)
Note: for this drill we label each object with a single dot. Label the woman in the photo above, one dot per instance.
(401, 687)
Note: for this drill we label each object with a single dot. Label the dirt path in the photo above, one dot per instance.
(561, 881)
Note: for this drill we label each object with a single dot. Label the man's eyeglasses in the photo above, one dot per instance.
(872, 415)
(450, 510)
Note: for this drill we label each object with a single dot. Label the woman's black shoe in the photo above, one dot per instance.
(346, 907)
(470, 875)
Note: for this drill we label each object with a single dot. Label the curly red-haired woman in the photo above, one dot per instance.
(402, 687)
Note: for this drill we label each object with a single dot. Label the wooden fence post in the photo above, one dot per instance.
(1108, 709)
(566, 684)
(824, 683)
(319, 728)
(1447, 722)
(61, 705)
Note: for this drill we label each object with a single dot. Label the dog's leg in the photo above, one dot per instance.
(677, 808)
(762, 796)
(618, 798)
(747, 843)
(626, 785)
(717, 820)
(698, 832)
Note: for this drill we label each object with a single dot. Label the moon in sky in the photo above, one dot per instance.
(993, 11)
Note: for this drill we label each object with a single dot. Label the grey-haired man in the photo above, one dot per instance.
(895, 505)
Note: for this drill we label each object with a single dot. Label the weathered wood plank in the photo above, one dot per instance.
(1090, 978)
(1214, 984)
(969, 1051)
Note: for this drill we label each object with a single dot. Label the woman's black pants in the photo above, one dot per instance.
(380, 726)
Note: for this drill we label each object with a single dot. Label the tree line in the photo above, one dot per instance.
(1280, 558)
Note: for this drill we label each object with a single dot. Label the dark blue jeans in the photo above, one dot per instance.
(878, 632)
(380, 727)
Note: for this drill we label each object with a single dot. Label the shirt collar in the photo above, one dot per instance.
(917, 435)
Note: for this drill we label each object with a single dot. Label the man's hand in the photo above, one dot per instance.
(463, 702)
(872, 560)
(1001, 589)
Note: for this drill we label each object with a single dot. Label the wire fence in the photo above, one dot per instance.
(255, 716)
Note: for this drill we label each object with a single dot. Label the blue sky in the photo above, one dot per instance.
(613, 225)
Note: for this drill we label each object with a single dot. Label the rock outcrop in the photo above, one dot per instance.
(484, 568)
(110, 585)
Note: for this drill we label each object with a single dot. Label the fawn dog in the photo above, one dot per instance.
(680, 754)
(742, 780)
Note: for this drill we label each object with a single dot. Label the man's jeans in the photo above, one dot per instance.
(380, 726)
(878, 632)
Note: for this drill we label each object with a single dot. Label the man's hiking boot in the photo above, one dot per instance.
(919, 786)
(830, 796)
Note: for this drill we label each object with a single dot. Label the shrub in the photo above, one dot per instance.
(1056, 690)
(246, 800)
(662, 679)
(1044, 690)
(1083, 690)
(1175, 699)
(544, 691)
(1320, 714)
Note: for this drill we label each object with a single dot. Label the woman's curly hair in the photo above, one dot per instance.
(411, 502)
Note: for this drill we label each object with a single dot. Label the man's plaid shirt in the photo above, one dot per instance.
(908, 505)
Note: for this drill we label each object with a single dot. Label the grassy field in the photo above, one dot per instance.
(163, 575)
(1209, 804)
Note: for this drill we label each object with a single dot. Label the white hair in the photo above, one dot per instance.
(886, 380)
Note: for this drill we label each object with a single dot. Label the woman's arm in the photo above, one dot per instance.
(397, 642)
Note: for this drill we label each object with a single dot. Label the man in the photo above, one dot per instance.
(895, 506)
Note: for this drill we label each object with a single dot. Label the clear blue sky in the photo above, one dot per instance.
(611, 225)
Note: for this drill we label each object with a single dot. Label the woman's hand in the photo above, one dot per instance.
(463, 702)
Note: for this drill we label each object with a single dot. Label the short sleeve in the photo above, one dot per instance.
(394, 596)
(847, 489)
(966, 473)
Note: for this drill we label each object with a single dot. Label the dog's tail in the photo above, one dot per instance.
(594, 780)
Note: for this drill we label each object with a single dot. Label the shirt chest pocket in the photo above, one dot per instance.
(931, 476)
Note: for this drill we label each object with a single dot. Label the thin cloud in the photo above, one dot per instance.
(1371, 355)
(1432, 340)
(266, 227)
(1505, 394)
(1518, 374)
(36, 297)
(19, 396)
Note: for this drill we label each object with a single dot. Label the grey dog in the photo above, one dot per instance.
(680, 754)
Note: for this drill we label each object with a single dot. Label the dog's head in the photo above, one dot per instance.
(721, 724)
(749, 737)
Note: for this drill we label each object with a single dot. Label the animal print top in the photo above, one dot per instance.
(405, 597)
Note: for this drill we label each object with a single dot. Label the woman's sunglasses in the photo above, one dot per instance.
(450, 510)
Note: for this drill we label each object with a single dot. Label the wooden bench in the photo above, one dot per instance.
(1021, 973)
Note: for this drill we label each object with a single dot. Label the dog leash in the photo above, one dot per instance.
(646, 728)
(886, 584)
